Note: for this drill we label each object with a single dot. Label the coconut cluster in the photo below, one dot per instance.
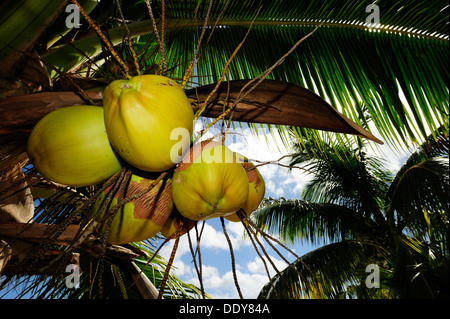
(86, 145)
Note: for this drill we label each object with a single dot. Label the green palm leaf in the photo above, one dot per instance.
(343, 61)
(419, 193)
(326, 281)
(423, 186)
(314, 222)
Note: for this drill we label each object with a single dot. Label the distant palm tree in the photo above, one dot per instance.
(364, 215)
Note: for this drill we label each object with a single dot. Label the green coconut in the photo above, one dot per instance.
(145, 117)
(70, 146)
(139, 219)
(209, 182)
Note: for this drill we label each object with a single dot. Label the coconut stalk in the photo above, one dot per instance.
(67, 57)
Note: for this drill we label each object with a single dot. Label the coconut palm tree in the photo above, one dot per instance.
(324, 60)
(366, 216)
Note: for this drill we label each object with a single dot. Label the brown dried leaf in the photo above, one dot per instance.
(276, 102)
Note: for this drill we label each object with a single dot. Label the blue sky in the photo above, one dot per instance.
(216, 261)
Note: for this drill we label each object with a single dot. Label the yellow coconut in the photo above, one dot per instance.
(141, 218)
(256, 191)
(149, 121)
(70, 146)
(209, 182)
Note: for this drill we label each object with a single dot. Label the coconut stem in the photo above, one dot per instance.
(158, 39)
(233, 265)
(200, 111)
(130, 44)
(267, 237)
(257, 251)
(194, 60)
(123, 180)
(197, 268)
(104, 39)
(169, 265)
(262, 246)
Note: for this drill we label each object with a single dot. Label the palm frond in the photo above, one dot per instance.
(345, 175)
(344, 61)
(421, 190)
(21, 25)
(328, 280)
(295, 220)
(420, 268)
(175, 288)
(421, 187)
(408, 237)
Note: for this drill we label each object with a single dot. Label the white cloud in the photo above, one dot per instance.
(269, 148)
(250, 284)
(211, 277)
(224, 287)
(257, 265)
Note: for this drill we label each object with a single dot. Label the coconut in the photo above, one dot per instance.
(145, 117)
(256, 191)
(141, 218)
(70, 146)
(209, 182)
